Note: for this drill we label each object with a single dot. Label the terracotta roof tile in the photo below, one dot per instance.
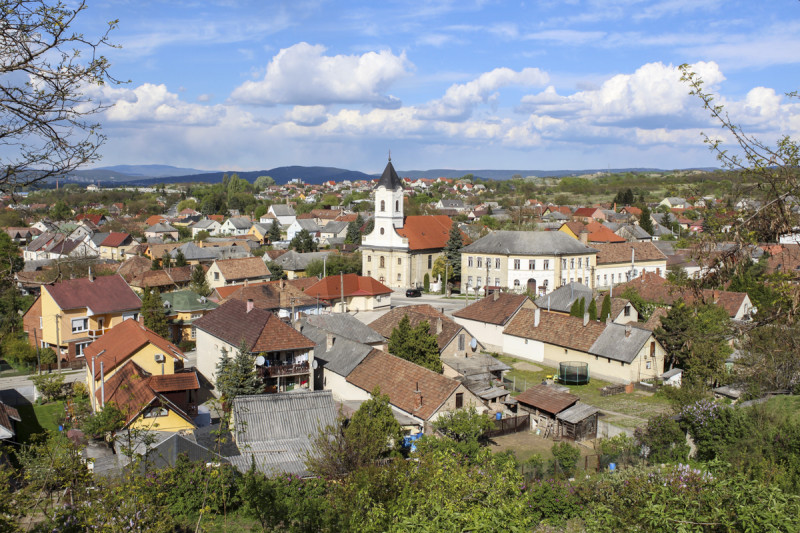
(493, 311)
(115, 239)
(621, 252)
(416, 315)
(244, 268)
(547, 399)
(129, 390)
(277, 336)
(555, 328)
(399, 379)
(426, 232)
(272, 295)
(599, 233)
(106, 294)
(175, 382)
(122, 341)
(330, 288)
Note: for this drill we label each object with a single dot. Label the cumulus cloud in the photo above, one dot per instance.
(459, 101)
(303, 75)
(307, 115)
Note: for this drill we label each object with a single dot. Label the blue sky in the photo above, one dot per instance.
(548, 84)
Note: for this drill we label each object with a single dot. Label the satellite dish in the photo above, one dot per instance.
(473, 343)
(260, 360)
(314, 364)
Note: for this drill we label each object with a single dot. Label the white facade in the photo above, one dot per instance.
(490, 335)
(209, 353)
(342, 390)
(527, 349)
(285, 220)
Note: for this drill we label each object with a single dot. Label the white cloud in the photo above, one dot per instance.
(154, 103)
(303, 75)
(460, 99)
(307, 115)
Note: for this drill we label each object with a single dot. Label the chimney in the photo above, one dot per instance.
(283, 284)
(438, 326)
(583, 236)
(249, 304)
(585, 319)
(537, 315)
(91, 277)
(329, 341)
(627, 330)
(496, 294)
(419, 396)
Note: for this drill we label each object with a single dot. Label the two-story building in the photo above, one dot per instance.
(621, 262)
(538, 261)
(71, 314)
(237, 271)
(182, 309)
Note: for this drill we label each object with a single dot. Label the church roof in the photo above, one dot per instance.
(389, 178)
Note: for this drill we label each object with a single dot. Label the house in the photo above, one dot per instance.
(591, 233)
(22, 236)
(558, 413)
(260, 233)
(487, 317)
(333, 230)
(115, 244)
(588, 214)
(452, 338)
(294, 263)
(275, 432)
(621, 262)
(673, 202)
(451, 205)
(237, 271)
(301, 224)
(143, 375)
(163, 231)
(8, 416)
(613, 352)
(182, 309)
(562, 299)
(414, 391)
(210, 226)
(351, 292)
(282, 356)
(401, 250)
(283, 213)
(537, 261)
(279, 297)
(672, 377)
(236, 226)
(73, 313)
(633, 233)
(165, 280)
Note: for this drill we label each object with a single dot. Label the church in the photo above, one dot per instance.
(401, 249)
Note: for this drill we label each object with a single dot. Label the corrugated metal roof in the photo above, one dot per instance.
(577, 413)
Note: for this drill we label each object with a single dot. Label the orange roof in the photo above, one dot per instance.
(426, 232)
(155, 219)
(115, 239)
(331, 288)
(121, 342)
(600, 233)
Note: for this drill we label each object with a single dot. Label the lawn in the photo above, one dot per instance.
(633, 409)
(37, 419)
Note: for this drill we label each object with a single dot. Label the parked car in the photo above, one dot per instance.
(413, 293)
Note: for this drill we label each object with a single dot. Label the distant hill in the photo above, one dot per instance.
(507, 174)
(281, 175)
(154, 171)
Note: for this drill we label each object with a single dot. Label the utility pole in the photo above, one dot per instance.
(58, 343)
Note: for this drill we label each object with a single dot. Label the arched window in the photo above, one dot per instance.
(382, 265)
(383, 205)
(381, 231)
(397, 205)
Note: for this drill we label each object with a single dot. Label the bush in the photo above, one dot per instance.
(191, 486)
(426, 282)
(50, 386)
(186, 346)
(662, 440)
(567, 457)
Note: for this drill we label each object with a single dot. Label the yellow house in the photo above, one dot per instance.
(143, 375)
(75, 312)
(183, 308)
(115, 245)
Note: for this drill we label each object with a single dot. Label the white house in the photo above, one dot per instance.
(283, 212)
(236, 226)
(211, 226)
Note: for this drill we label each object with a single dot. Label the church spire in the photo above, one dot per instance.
(389, 178)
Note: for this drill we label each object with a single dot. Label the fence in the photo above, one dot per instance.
(588, 464)
(77, 364)
(513, 424)
(519, 385)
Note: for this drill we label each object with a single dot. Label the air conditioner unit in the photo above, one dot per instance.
(160, 358)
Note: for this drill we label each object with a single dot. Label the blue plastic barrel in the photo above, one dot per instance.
(612, 466)
(498, 416)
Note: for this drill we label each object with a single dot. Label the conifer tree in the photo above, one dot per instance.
(646, 222)
(605, 309)
(237, 376)
(452, 250)
(582, 308)
(575, 310)
(592, 309)
(274, 231)
(417, 344)
(199, 283)
(153, 313)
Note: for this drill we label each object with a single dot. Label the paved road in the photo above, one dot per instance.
(24, 381)
(447, 305)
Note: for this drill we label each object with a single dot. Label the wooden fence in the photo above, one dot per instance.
(65, 365)
(513, 424)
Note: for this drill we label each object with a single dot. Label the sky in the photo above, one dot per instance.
(462, 84)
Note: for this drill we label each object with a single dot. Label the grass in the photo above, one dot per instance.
(37, 419)
(788, 406)
(214, 523)
(639, 405)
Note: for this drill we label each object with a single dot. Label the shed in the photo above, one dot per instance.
(578, 422)
(672, 377)
(544, 402)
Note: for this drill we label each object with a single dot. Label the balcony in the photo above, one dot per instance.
(275, 371)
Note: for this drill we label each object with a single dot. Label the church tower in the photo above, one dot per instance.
(389, 199)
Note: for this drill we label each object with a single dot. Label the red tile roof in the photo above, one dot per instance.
(106, 294)
(175, 382)
(330, 288)
(621, 252)
(555, 328)
(585, 212)
(400, 379)
(115, 239)
(417, 314)
(121, 342)
(493, 311)
(94, 219)
(547, 399)
(426, 232)
(155, 219)
(599, 233)
(243, 268)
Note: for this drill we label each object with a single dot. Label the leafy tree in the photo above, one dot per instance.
(770, 359)
(467, 428)
(180, 259)
(303, 242)
(153, 313)
(592, 309)
(354, 231)
(260, 211)
(567, 456)
(184, 233)
(166, 260)
(646, 221)
(202, 236)
(417, 344)
(50, 386)
(45, 117)
(60, 211)
(187, 204)
(274, 231)
(276, 271)
(199, 283)
(237, 376)
(262, 182)
(155, 264)
(107, 420)
(452, 250)
(345, 446)
(662, 440)
(335, 264)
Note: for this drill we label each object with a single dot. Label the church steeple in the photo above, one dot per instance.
(389, 178)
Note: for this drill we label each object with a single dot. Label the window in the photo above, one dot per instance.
(80, 324)
(130, 316)
(369, 259)
(469, 281)
(461, 342)
(532, 264)
(216, 276)
(382, 231)
(479, 282)
(546, 284)
(516, 283)
(80, 347)
(564, 263)
(193, 333)
(154, 412)
(652, 349)
(497, 263)
(488, 262)
(496, 282)
(383, 205)
(195, 316)
(369, 273)
(598, 279)
(40, 323)
(627, 311)
(572, 262)
(563, 281)
(580, 260)
(546, 264)
(399, 260)
(516, 264)
(381, 263)
(399, 277)
(430, 261)
(397, 205)
(459, 400)
(469, 261)
(605, 279)
(648, 364)
(480, 262)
